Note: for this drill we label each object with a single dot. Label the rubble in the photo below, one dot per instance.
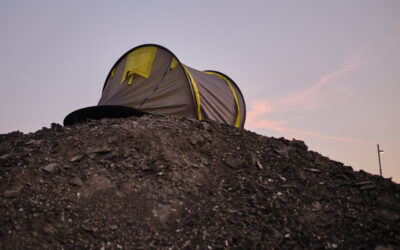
(169, 182)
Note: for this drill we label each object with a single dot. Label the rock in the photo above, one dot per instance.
(3, 157)
(252, 159)
(89, 228)
(313, 170)
(363, 183)
(233, 163)
(283, 151)
(389, 203)
(389, 215)
(76, 158)
(332, 246)
(299, 145)
(206, 126)
(57, 127)
(147, 186)
(193, 140)
(282, 178)
(50, 168)
(380, 247)
(92, 156)
(76, 181)
(259, 165)
(14, 192)
(367, 187)
(35, 142)
(316, 206)
(49, 229)
(103, 150)
(301, 174)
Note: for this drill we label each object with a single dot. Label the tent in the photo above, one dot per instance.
(151, 79)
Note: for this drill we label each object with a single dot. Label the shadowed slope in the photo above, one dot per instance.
(156, 181)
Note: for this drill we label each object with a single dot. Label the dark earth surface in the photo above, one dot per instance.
(168, 182)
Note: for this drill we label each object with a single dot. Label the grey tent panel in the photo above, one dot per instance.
(164, 92)
(215, 96)
(151, 79)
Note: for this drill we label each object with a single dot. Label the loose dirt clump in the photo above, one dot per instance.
(160, 182)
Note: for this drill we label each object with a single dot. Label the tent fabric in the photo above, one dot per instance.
(151, 79)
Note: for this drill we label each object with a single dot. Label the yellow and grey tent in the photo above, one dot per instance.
(150, 79)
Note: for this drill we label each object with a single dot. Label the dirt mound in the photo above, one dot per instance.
(157, 181)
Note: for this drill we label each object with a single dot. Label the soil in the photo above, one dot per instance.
(169, 182)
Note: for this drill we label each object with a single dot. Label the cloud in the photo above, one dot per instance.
(316, 95)
(258, 108)
(256, 120)
(313, 97)
(395, 38)
(254, 117)
(397, 28)
(321, 136)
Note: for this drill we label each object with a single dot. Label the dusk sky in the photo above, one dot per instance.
(325, 72)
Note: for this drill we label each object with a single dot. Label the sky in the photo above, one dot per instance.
(325, 72)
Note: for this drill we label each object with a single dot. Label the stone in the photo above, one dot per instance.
(214, 195)
(103, 150)
(380, 247)
(50, 168)
(206, 126)
(3, 157)
(283, 151)
(259, 165)
(76, 158)
(76, 181)
(316, 206)
(299, 145)
(49, 229)
(389, 215)
(313, 170)
(14, 192)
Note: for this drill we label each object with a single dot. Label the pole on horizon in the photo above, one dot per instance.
(379, 157)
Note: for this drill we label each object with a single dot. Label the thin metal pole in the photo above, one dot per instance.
(379, 157)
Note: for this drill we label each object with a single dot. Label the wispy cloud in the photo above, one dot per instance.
(314, 96)
(303, 133)
(256, 120)
(397, 28)
(258, 108)
(395, 38)
(310, 98)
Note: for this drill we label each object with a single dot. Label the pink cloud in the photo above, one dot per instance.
(395, 37)
(255, 120)
(258, 108)
(347, 68)
(277, 126)
(254, 117)
(321, 136)
(310, 98)
(313, 96)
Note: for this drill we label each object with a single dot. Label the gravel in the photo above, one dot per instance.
(161, 182)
